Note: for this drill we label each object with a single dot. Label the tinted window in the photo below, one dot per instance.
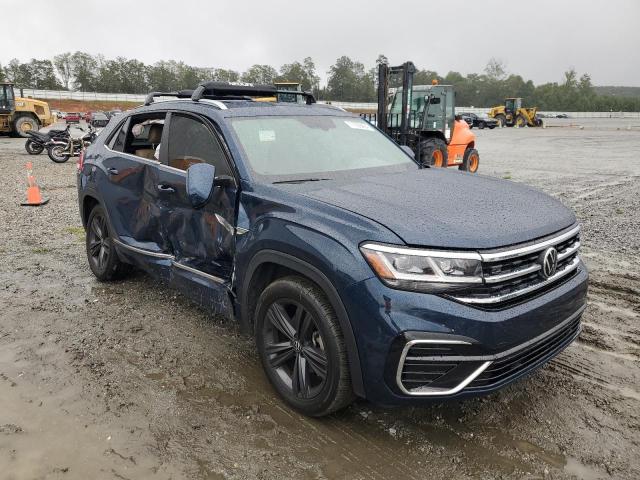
(190, 141)
(117, 141)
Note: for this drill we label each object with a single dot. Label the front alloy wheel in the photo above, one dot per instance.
(302, 348)
(295, 348)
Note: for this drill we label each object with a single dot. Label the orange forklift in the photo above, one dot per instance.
(423, 118)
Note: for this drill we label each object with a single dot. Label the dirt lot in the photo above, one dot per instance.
(129, 380)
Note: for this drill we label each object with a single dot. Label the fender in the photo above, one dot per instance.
(308, 270)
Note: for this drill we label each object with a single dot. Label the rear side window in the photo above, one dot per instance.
(140, 135)
(117, 141)
(191, 141)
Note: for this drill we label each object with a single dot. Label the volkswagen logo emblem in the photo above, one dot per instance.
(548, 262)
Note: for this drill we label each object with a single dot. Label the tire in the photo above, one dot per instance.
(433, 152)
(521, 121)
(492, 127)
(55, 153)
(33, 148)
(502, 120)
(25, 124)
(299, 337)
(481, 125)
(101, 254)
(470, 161)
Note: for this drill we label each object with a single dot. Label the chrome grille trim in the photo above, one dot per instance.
(501, 277)
(517, 252)
(513, 273)
(573, 265)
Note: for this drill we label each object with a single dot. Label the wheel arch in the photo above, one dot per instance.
(268, 265)
(88, 203)
(429, 134)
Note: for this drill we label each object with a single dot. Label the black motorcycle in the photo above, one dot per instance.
(61, 151)
(38, 141)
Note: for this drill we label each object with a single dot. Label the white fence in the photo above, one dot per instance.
(83, 96)
(130, 97)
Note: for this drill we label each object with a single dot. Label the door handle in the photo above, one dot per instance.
(112, 171)
(166, 188)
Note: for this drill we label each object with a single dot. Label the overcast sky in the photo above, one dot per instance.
(537, 39)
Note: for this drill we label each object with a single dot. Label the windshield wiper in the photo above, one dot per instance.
(302, 180)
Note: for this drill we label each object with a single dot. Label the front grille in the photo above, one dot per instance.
(504, 369)
(513, 276)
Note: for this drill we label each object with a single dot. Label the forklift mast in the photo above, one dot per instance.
(407, 71)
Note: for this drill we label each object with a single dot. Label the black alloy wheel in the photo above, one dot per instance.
(302, 348)
(99, 245)
(103, 259)
(295, 348)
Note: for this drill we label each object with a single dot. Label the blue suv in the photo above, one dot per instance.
(360, 272)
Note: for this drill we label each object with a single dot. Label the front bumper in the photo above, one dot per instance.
(417, 347)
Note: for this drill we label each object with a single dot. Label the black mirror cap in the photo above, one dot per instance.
(200, 180)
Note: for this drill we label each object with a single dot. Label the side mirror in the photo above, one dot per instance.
(200, 179)
(408, 151)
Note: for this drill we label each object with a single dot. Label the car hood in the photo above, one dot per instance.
(447, 209)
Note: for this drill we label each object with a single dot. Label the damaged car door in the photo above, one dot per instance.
(200, 237)
(129, 176)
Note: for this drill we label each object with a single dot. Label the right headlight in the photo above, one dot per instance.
(423, 270)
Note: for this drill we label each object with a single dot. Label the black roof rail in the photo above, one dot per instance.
(224, 90)
(179, 94)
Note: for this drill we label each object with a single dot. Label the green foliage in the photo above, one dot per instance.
(38, 73)
(303, 73)
(64, 68)
(260, 74)
(348, 80)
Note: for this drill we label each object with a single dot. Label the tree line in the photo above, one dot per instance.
(347, 80)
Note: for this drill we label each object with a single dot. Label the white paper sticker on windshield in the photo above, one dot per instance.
(267, 135)
(358, 125)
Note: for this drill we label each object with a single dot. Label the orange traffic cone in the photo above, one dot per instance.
(34, 197)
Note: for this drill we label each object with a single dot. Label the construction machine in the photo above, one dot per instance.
(20, 115)
(512, 113)
(282, 96)
(423, 118)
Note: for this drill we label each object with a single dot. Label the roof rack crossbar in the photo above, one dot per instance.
(226, 90)
(179, 94)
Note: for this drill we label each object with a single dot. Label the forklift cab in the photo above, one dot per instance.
(431, 108)
(7, 99)
(289, 97)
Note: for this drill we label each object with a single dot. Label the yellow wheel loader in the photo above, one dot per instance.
(20, 115)
(513, 114)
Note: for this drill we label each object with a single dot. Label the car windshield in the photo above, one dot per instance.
(307, 146)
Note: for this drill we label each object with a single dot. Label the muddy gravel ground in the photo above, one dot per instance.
(130, 380)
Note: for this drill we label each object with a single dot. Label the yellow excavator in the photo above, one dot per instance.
(513, 114)
(19, 115)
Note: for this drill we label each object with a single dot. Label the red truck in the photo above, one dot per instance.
(72, 117)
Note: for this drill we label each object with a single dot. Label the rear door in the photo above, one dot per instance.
(202, 241)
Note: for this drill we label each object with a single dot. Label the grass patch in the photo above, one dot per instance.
(507, 177)
(40, 250)
(619, 211)
(77, 231)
